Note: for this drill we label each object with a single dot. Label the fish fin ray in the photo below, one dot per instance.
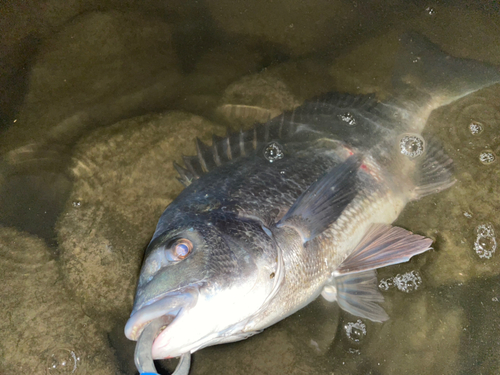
(185, 176)
(423, 67)
(193, 166)
(205, 155)
(357, 294)
(381, 246)
(215, 150)
(242, 143)
(323, 202)
(434, 171)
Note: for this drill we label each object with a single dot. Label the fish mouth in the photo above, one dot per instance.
(169, 305)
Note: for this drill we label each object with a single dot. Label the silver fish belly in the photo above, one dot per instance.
(298, 207)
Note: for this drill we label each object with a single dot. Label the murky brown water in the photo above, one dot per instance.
(98, 99)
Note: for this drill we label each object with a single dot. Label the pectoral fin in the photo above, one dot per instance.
(323, 202)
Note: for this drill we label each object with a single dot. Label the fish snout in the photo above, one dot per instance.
(168, 305)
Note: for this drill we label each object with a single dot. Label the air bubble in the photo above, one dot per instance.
(273, 152)
(411, 146)
(430, 11)
(355, 331)
(386, 284)
(406, 282)
(64, 361)
(476, 128)
(487, 157)
(348, 118)
(485, 243)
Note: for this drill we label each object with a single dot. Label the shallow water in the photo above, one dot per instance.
(83, 180)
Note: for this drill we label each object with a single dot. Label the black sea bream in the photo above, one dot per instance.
(300, 206)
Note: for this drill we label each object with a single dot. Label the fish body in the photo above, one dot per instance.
(300, 206)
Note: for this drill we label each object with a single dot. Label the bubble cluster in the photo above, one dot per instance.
(348, 118)
(475, 128)
(355, 331)
(411, 146)
(430, 11)
(273, 152)
(76, 204)
(485, 243)
(64, 361)
(487, 157)
(407, 282)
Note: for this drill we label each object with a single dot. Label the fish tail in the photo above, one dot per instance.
(423, 67)
(427, 78)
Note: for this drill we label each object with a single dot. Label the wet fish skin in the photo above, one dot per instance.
(266, 241)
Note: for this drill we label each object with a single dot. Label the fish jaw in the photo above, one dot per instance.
(207, 315)
(217, 317)
(171, 304)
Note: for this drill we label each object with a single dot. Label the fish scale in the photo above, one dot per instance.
(302, 287)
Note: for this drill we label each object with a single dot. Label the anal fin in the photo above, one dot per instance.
(358, 295)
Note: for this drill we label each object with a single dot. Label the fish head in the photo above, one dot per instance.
(210, 273)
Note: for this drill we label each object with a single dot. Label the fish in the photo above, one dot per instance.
(299, 207)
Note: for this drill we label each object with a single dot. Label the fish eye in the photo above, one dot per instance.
(180, 249)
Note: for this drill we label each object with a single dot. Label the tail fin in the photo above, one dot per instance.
(423, 66)
(426, 78)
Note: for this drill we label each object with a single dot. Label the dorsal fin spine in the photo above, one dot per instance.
(228, 149)
(185, 176)
(254, 140)
(266, 132)
(189, 166)
(199, 152)
(242, 143)
(215, 150)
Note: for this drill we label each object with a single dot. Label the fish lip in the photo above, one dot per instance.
(169, 304)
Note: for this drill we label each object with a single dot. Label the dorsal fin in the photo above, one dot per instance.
(356, 120)
(225, 149)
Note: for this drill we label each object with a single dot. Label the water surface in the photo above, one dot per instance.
(99, 99)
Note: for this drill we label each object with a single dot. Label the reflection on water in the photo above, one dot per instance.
(99, 99)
